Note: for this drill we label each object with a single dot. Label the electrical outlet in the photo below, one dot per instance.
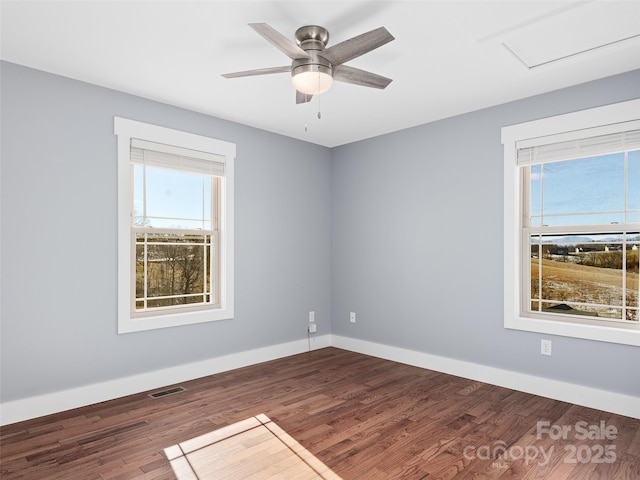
(545, 347)
(352, 317)
(313, 328)
(312, 317)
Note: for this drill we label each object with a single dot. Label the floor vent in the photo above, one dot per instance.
(164, 393)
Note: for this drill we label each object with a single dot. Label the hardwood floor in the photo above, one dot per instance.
(363, 417)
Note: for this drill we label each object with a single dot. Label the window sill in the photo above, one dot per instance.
(126, 324)
(620, 333)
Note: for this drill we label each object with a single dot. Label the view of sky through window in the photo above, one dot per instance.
(586, 191)
(171, 199)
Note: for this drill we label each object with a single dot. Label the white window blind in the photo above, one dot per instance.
(176, 158)
(578, 144)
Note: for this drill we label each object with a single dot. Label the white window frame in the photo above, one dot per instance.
(613, 114)
(126, 130)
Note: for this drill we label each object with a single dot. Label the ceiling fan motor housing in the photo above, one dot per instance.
(312, 39)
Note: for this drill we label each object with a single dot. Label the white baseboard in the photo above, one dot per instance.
(32, 407)
(578, 394)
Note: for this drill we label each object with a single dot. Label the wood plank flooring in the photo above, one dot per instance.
(363, 417)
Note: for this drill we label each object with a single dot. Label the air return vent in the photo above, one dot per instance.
(169, 391)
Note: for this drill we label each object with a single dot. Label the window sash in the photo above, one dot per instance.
(624, 215)
(528, 231)
(214, 206)
(212, 288)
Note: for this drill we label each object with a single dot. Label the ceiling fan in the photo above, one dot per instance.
(314, 67)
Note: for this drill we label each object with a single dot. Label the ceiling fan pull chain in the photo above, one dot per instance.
(319, 114)
(306, 127)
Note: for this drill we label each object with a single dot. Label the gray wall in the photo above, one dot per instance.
(59, 238)
(404, 229)
(417, 240)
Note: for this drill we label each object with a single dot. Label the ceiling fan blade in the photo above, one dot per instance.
(281, 42)
(302, 97)
(258, 71)
(354, 47)
(343, 73)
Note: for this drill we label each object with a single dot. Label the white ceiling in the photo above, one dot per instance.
(449, 57)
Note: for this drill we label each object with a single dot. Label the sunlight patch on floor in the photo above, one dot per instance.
(255, 448)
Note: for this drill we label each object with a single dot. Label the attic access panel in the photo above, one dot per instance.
(569, 32)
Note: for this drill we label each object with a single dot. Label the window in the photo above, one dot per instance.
(175, 227)
(572, 224)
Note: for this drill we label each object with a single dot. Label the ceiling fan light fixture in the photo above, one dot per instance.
(312, 79)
